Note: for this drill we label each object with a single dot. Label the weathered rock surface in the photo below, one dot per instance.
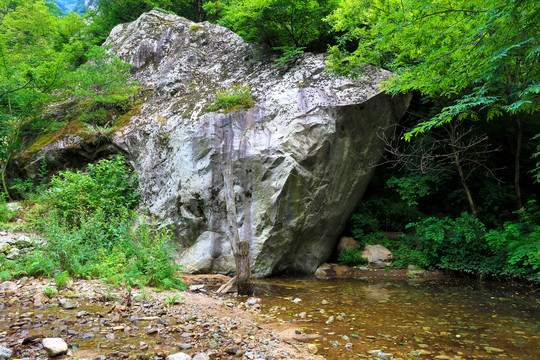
(301, 155)
(377, 256)
(5, 353)
(55, 346)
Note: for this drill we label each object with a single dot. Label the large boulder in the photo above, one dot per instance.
(301, 157)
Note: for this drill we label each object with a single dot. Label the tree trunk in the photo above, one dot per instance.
(3, 176)
(239, 248)
(517, 159)
(243, 271)
(462, 177)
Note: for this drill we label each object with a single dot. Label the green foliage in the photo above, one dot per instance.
(289, 54)
(233, 98)
(536, 155)
(93, 230)
(101, 76)
(383, 212)
(107, 186)
(518, 242)
(277, 23)
(171, 299)
(454, 244)
(50, 292)
(478, 55)
(351, 256)
(61, 280)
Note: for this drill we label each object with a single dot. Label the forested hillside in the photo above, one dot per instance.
(460, 177)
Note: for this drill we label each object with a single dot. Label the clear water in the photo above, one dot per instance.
(450, 319)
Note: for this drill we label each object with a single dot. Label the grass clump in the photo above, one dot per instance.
(234, 98)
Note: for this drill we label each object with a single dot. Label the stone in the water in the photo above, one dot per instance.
(493, 349)
(414, 270)
(55, 346)
(184, 346)
(297, 301)
(381, 355)
(312, 348)
(179, 356)
(252, 301)
(5, 353)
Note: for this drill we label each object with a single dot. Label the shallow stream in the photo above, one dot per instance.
(442, 319)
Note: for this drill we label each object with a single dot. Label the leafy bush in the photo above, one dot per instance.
(108, 185)
(92, 229)
(454, 244)
(351, 256)
(519, 243)
(235, 97)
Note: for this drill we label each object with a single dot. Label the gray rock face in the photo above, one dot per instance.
(300, 156)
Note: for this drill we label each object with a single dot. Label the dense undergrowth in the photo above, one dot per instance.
(92, 228)
(461, 243)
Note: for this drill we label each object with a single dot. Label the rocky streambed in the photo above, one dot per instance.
(94, 322)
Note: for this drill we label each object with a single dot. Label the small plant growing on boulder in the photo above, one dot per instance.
(233, 98)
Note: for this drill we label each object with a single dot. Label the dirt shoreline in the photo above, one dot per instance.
(93, 319)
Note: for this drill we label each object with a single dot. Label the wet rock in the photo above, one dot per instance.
(179, 356)
(306, 337)
(381, 355)
(68, 304)
(8, 286)
(493, 349)
(252, 301)
(55, 346)
(88, 336)
(330, 320)
(324, 302)
(414, 270)
(5, 353)
(80, 314)
(38, 303)
(312, 348)
(377, 256)
(297, 301)
(201, 356)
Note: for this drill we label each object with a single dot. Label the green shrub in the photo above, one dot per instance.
(93, 230)
(454, 244)
(233, 98)
(351, 256)
(518, 243)
(108, 185)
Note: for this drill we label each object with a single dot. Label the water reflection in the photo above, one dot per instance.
(451, 319)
